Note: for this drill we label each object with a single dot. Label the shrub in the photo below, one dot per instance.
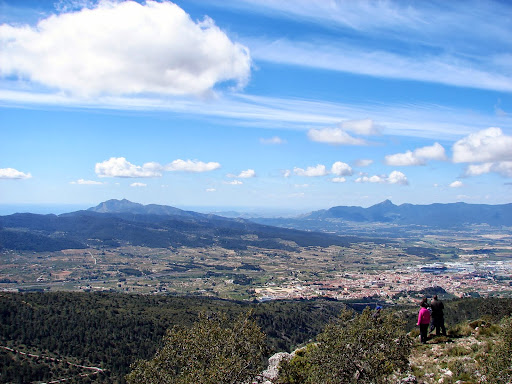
(214, 350)
(460, 330)
(354, 349)
(498, 364)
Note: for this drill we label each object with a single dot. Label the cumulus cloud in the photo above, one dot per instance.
(124, 47)
(318, 170)
(418, 157)
(210, 190)
(361, 127)
(334, 136)
(504, 168)
(394, 177)
(272, 141)
(488, 145)
(86, 182)
(287, 173)
(338, 179)
(191, 166)
(456, 184)
(120, 167)
(138, 185)
(11, 173)
(244, 174)
(341, 169)
(363, 162)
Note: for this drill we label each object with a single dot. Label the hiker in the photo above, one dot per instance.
(437, 307)
(424, 321)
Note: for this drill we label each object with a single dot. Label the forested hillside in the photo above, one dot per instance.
(111, 331)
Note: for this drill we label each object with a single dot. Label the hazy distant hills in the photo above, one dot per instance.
(126, 206)
(121, 222)
(443, 215)
(448, 216)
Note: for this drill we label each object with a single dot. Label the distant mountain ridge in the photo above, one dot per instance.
(434, 215)
(126, 206)
(121, 222)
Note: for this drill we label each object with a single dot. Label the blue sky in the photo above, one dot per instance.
(253, 103)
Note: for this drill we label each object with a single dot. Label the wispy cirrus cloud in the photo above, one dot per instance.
(378, 36)
(445, 69)
(86, 182)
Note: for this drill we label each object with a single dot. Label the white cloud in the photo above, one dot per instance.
(334, 136)
(86, 182)
(402, 159)
(120, 167)
(210, 190)
(192, 166)
(394, 177)
(318, 170)
(138, 185)
(244, 174)
(124, 47)
(449, 67)
(478, 169)
(418, 157)
(397, 177)
(11, 173)
(361, 127)
(488, 145)
(433, 152)
(363, 162)
(286, 173)
(301, 185)
(272, 141)
(234, 182)
(456, 184)
(504, 168)
(338, 180)
(341, 169)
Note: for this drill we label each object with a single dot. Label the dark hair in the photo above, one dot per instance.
(424, 304)
(435, 297)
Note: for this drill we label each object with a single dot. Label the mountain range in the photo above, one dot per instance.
(122, 222)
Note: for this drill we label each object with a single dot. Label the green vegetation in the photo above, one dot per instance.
(498, 363)
(113, 331)
(213, 350)
(357, 348)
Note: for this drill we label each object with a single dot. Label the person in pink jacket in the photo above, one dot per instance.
(424, 320)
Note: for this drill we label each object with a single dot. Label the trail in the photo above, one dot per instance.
(95, 370)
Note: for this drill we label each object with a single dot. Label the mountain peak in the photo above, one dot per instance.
(385, 203)
(126, 206)
(116, 206)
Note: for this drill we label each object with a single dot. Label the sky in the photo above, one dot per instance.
(255, 104)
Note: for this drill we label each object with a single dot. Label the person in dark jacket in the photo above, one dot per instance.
(437, 307)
